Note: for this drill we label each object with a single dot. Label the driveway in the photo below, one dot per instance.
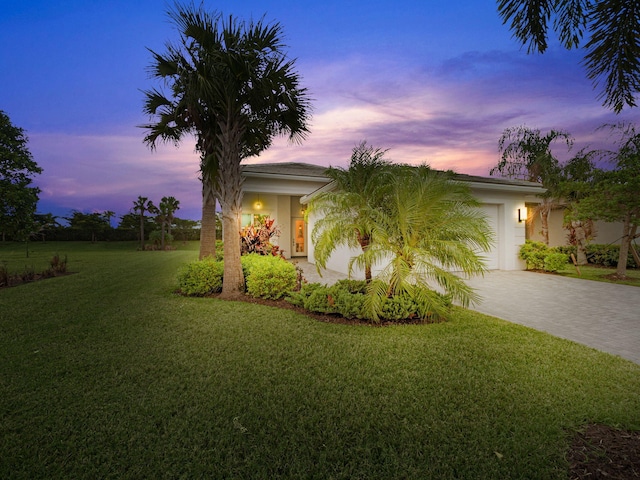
(597, 314)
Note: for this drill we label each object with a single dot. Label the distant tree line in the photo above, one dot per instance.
(97, 226)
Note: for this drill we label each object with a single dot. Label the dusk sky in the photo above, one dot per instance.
(434, 82)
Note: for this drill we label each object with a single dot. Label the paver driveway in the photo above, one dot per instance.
(601, 315)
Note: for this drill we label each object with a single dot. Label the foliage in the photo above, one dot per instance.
(165, 215)
(268, 276)
(157, 239)
(428, 228)
(201, 277)
(141, 206)
(18, 198)
(89, 226)
(533, 253)
(232, 85)
(526, 154)
(257, 238)
(612, 52)
(347, 298)
(615, 194)
(57, 266)
(539, 256)
(344, 212)
(555, 261)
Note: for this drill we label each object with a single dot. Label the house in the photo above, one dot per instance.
(282, 191)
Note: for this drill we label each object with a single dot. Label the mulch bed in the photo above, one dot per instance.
(602, 452)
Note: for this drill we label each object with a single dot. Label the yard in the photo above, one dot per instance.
(106, 373)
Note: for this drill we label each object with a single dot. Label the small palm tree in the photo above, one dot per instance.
(166, 209)
(141, 206)
(428, 229)
(345, 211)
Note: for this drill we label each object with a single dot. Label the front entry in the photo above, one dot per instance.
(298, 237)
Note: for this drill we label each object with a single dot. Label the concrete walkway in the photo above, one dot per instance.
(597, 314)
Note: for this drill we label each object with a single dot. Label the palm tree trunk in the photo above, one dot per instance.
(208, 224)
(627, 234)
(545, 210)
(229, 186)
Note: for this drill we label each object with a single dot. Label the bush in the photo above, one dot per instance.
(202, 277)
(268, 277)
(534, 253)
(555, 261)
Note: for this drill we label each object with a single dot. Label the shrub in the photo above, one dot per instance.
(555, 261)
(534, 253)
(268, 276)
(201, 277)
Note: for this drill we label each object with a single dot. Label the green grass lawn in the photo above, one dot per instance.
(108, 374)
(590, 272)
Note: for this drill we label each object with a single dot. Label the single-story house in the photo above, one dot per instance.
(282, 191)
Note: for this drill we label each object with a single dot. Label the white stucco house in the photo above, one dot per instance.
(282, 190)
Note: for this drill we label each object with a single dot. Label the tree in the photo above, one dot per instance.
(88, 225)
(576, 183)
(18, 199)
(612, 53)
(232, 86)
(526, 155)
(615, 194)
(142, 206)
(426, 228)
(344, 212)
(166, 209)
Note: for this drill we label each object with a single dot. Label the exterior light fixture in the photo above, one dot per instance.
(258, 205)
(522, 215)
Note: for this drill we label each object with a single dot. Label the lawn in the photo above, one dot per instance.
(600, 274)
(107, 373)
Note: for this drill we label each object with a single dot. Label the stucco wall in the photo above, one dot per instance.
(606, 232)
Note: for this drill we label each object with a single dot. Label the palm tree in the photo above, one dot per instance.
(141, 206)
(612, 53)
(428, 228)
(344, 212)
(526, 155)
(167, 207)
(233, 87)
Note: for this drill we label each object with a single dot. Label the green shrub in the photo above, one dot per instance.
(555, 261)
(201, 277)
(534, 253)
(268, 276)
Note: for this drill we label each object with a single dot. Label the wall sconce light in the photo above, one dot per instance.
(522, 215)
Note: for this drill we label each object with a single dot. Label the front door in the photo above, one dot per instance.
(298, 237)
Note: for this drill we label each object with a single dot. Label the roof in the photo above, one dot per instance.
(292, 169)
(308, 171)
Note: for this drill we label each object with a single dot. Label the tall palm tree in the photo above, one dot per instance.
(344, 212)
(141, 206)
(526, 155)
(233, 87)
(428, 228)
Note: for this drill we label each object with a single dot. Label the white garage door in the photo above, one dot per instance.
(492, 256)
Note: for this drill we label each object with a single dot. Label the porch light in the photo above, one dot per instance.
(522, 215)
(258, 204)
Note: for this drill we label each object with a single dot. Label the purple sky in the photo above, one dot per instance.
(433, 82)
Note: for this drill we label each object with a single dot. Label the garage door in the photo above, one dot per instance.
(492, 256)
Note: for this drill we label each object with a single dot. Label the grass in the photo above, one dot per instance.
(108, 374)
(599, 274)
